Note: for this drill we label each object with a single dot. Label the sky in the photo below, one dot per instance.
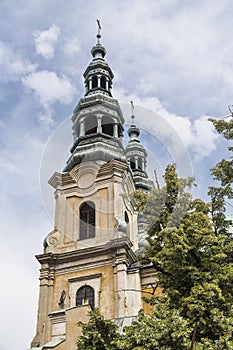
(172, 58)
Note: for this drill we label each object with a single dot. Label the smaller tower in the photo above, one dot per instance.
(136, 157)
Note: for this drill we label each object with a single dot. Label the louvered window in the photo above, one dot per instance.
(94, 82)
(103, 82)
(87, 220)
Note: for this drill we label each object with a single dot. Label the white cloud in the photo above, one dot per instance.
(8, 165)
(205, 137)
(182, 53)
(197, 136)
(46, 117)
(13, 160)
(72, 46)
(12, 66)
(49, 87)
(45, 41)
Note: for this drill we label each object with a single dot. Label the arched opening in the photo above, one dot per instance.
(94, 82)
(87, 220)
(103, 82)
(107, 126)
(85, 296)
(126, 217)
(132, 164)
(140, 163)
(127, 222)
(91, 125)
(120, 130)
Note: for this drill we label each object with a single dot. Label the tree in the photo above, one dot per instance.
(193, 260)
(223, 173)
(98, 334)
(164, 330)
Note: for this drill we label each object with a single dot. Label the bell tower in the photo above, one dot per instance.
(136, 156)
(89, 257)
(97, 119)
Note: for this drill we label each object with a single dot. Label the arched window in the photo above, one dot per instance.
(87, 220)
(103, 82)
(140, 163)
(126, 218)
(132, 164)
(120, 130)
(85, 296)
(94, 82)
(127, 222)
(91, 125)
(107, 125)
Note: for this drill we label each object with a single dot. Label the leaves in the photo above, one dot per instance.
(222, 172)
(224, 127)
(98, 334)
(192, 254)
(164, 330)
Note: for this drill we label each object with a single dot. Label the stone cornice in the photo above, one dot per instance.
(68, 181)
(85, 278)
(98, 102)
(113, 251)
(59, 180)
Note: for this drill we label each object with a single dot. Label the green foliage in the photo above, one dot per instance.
(223, 173)
(224, 127)
(193, 260)
(165, 208)
(139, 200)
(98, 334)
(165, 330)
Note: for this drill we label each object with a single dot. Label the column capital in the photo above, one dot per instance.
(99, 115)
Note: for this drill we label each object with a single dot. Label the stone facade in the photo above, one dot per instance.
(89, 259)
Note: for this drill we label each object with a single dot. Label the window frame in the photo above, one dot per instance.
(84, 293)
(87, 220)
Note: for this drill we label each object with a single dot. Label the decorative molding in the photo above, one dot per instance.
(135, 152)
(85, 278)
(94, 281)
(86, 258)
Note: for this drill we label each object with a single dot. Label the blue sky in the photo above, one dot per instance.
(172, 58)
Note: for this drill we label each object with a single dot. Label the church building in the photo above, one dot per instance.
(90, 258)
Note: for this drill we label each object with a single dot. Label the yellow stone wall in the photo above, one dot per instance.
(101, 262)
(108, 190)
(149, 293)
(73, 317)
(106, 296)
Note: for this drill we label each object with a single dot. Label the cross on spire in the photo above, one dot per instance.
(132, 112)
(99, 30)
